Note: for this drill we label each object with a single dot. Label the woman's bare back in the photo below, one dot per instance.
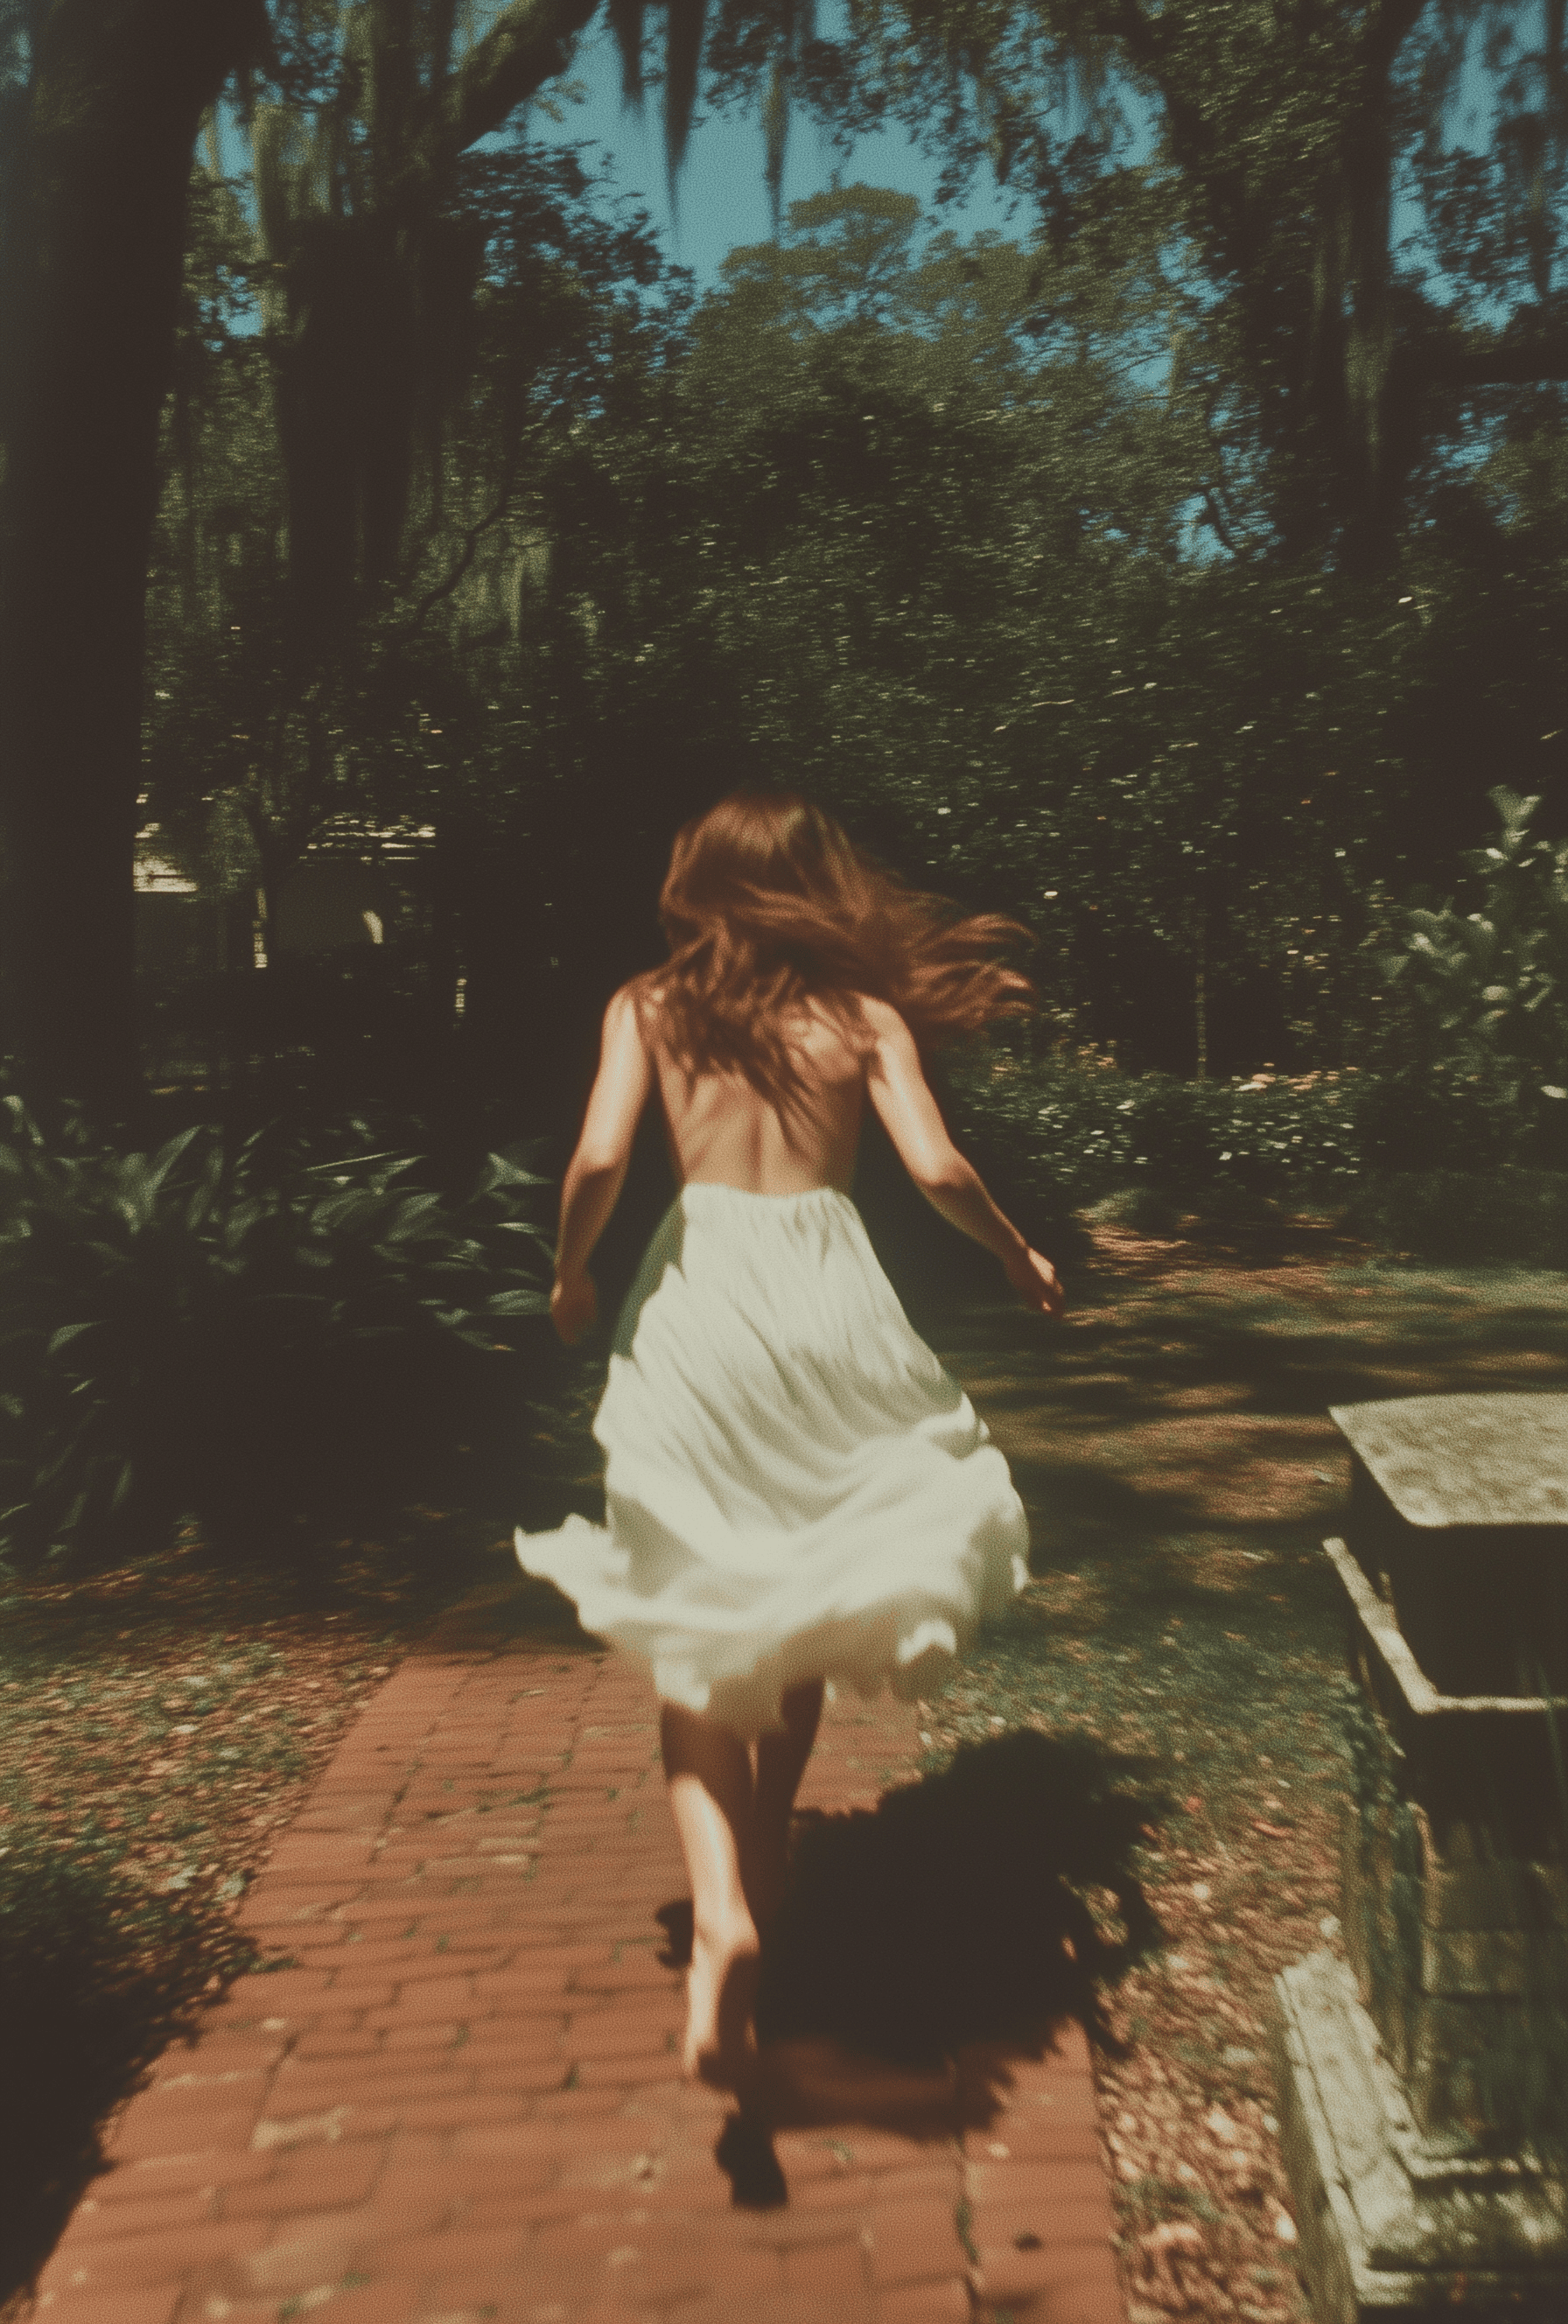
(722, 1131)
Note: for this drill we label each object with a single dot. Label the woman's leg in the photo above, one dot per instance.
(780, 1763)
(708, 1769)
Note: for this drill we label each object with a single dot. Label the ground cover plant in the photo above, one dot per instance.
(250, 1329)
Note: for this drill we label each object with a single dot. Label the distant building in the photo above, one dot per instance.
(343, 893)
(333, 900)
(180, 933)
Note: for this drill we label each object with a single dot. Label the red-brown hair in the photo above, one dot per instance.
(767, 904)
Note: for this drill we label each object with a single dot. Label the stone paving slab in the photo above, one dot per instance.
(460, 2101)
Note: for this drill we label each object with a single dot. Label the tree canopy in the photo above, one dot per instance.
(1296, 146)
(1175, 573)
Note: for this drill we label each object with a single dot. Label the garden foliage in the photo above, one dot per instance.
(242, 1332)
(1436, 1159)
(1080, 1126)
(905, 520)
(1451, 1137)
(1487, 989)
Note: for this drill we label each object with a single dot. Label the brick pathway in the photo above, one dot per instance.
(462, 2104)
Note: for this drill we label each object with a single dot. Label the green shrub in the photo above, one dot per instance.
(1486, 992)
(1077, 1131)
(1509, 1214)
(927, 1259)
(238, 1333)
(1430, 1159)
(1420, 1113)
(1466, 1077)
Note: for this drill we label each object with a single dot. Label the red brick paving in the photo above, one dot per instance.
(462, 2105)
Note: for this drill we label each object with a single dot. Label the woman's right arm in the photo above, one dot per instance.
(597, 1169)
(899, 1090)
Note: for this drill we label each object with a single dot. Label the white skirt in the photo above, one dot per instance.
(795, 1487)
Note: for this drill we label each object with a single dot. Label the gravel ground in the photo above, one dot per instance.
(159, 1723)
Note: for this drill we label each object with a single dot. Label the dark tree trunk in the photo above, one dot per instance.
(94, 243)
(371, 303)
(1338, 392)
(1360, 392)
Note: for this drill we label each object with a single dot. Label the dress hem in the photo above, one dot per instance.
(911, 1650)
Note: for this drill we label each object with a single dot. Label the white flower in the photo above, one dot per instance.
(1550, 1088)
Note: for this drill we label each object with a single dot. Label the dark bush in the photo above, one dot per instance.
(353, 1026)
(1430, 1114)
(243, 1333)
(1430, 1158)
(1077, 1131)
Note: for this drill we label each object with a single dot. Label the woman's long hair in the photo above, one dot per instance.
(768, 905)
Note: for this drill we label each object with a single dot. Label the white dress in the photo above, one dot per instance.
(795, 1487)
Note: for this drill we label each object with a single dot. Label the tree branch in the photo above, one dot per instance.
(1390, 25)
(1216, 496)
(1512, 362)
(463, 564)
(1217, 524)
(530, 42)
(1145, 38)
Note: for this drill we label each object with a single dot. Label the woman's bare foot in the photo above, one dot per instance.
(721, 1986)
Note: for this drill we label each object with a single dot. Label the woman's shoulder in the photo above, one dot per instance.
(630, 1014)
(639, 997)
(881, 1020)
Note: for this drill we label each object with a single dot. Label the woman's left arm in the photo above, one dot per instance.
(597, 1169)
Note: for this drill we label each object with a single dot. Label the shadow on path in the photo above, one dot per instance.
(925, 1945)
(95, 1979)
